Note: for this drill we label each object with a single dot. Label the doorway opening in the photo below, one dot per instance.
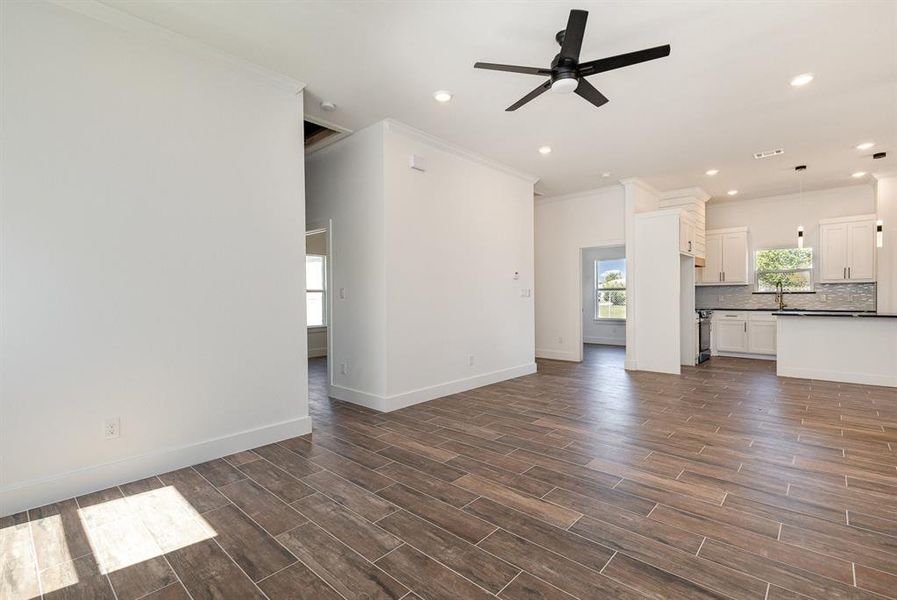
(318, 315)
(603, 292)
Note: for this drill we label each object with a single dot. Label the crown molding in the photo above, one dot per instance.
(635, 182)
(399, 127)
(689, 192)
(614, 187)
(155, 33)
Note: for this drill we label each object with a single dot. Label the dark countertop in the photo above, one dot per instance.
(833, 313)
(795, 310)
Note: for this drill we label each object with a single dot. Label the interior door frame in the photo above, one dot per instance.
(326, 227)
(582, 249)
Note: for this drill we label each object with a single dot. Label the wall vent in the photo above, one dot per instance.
(769, 153)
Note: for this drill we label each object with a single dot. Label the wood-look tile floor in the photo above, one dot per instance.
(582, 481)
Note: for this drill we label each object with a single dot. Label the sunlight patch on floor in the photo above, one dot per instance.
(127, 531)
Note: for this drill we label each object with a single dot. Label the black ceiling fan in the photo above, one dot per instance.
(566, 73)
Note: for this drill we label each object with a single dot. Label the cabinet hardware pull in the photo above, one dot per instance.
(848, 272)
(745, 326)
(844, 275)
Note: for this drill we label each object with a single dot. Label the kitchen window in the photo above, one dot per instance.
(792, 267)
(315, 290)
(610, 289)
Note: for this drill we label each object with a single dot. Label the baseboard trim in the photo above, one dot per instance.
(606, 341)
(366, 399)
(393, 402)
(746, 355)
(316, 352)
(837, 376)
(38, 492)
(557, 355)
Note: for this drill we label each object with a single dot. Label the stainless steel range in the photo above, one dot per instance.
(703, 335)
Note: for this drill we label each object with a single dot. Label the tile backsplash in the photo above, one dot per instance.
(828, 296)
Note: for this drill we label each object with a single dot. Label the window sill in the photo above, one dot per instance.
(316, 328)
(787, 293)
(608, 320)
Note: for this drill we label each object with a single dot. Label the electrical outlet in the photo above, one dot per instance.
(112, 428)
(342, 293)
(344, 369)
(470, 360)
(560, 339)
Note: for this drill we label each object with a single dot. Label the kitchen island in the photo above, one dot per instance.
(853, 347)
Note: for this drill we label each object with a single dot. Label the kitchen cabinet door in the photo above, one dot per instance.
(731, 335)
(762, 337)
(713, 260)
(833, 253)
(861, 251)
(735, 257)
(686, 235)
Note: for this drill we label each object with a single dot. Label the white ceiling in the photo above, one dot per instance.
(722, 95)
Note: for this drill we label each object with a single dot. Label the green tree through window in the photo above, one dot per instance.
(610, 289)
(792, 267)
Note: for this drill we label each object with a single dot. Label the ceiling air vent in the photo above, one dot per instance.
(769, 153)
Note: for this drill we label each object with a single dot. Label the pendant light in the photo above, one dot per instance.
(800, 228)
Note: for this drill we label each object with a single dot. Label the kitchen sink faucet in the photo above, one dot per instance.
(780, 296)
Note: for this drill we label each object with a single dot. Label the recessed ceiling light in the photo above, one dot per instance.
(732, 192)
(858, 174)
(865, 145)
(605, 174)
(802, 79)
(545, 150)
(442, 96)
(711, 172)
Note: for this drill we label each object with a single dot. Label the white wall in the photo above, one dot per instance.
(564, 225)
(426, 260)
(886, 205)
(152, 254)
(596, 331)
(773, 221)
(658, 312)
(316, 243)
(344, 190)
(638, 197)
(455, 235)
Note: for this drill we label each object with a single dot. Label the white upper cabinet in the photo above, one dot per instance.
(847, 250)
(861, 251)
(735, 257)
(833, 252)
(692, 202)
(686, 234)
(713, 263)
(727, 257)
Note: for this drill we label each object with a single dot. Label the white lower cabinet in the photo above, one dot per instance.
(744, 332)
(762, 333)
(731, 332)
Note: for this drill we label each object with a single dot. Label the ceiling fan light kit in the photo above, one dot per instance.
(566, 73)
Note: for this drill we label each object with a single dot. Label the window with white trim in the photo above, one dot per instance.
(315, 290)
(610, 289)
(792, 267)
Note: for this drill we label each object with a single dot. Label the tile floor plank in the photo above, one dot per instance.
(345, 571)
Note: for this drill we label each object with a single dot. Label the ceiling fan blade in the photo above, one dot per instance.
(536, 92)
(587, 90)
(573, 34)
(622, 60)
(512, 68)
